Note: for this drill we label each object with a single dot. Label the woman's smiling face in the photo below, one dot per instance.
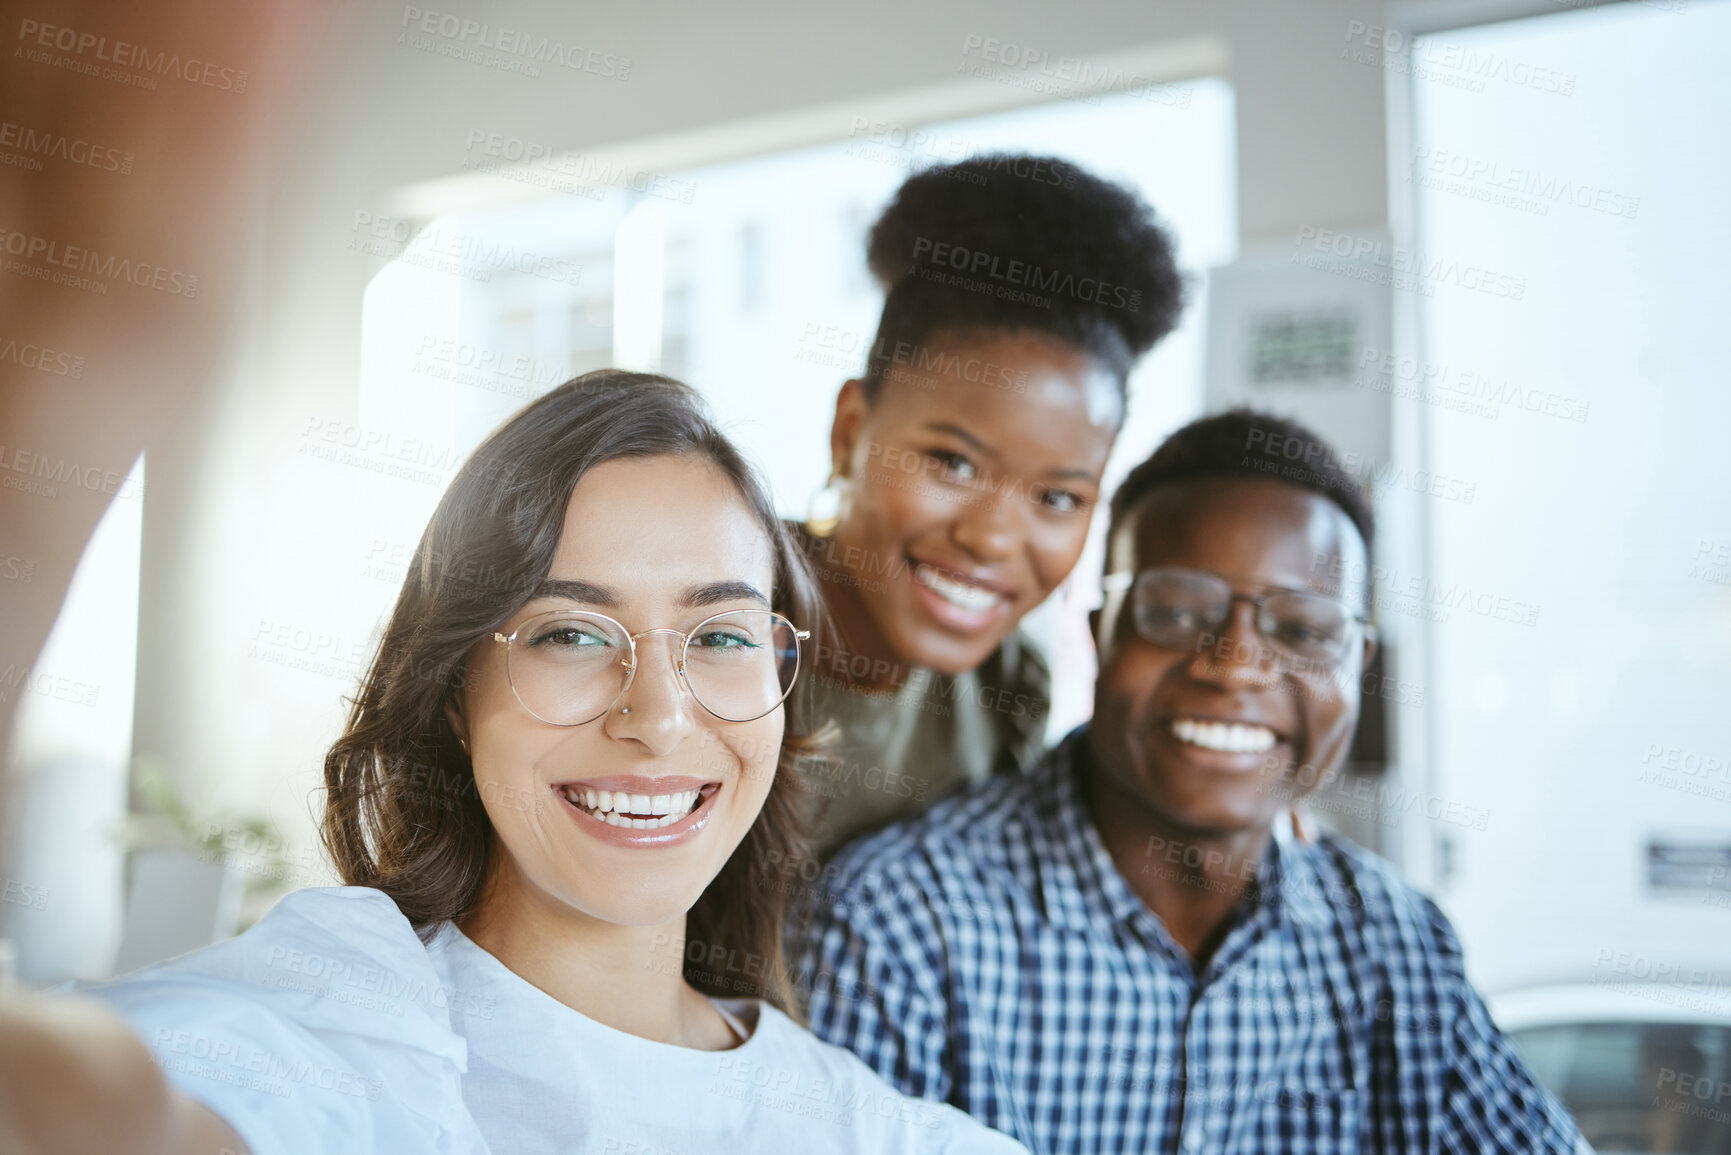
(970, 484)
(654, 543)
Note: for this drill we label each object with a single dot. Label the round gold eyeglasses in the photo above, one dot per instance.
(568, 667)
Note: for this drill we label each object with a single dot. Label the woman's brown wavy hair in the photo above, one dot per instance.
(402, 812)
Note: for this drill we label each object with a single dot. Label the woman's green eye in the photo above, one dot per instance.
(722, 640)
(567, 636)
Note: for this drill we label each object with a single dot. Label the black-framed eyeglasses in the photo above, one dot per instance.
(568, 667)
(1174, 607)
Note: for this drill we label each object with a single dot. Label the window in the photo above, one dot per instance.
(1653, 1087)
(1567, 274)
(765, 302)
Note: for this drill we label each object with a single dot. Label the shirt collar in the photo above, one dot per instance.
(1080, 883)
(1293, 883)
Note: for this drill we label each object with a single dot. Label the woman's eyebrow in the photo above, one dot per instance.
(708, 594)
(1074, 473)
(961, 434)
(716, 592)
(576, 590)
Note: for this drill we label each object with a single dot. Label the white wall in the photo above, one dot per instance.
(1579, 697)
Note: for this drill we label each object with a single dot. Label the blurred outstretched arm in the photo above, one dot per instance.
(203, 145)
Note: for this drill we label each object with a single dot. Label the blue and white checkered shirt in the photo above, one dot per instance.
(990, 954)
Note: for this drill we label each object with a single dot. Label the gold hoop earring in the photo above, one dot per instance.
(824, 512)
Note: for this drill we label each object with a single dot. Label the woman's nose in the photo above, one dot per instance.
(659, 701)
(988, 530)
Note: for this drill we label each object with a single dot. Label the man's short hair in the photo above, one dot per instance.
(1247, 443)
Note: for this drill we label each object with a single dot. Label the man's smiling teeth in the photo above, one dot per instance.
(1232, 737)
(634, 811)
(957, 593)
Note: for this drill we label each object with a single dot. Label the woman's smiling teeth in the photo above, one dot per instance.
(959, 594)
(1231, 737)
(633, 811)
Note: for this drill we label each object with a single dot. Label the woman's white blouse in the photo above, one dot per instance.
(330, 1027)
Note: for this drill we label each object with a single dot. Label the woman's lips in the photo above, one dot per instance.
(659, 815)
(959, 602)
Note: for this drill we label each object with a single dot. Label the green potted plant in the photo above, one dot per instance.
(191, 878)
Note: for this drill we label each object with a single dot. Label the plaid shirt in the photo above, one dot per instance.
(991, 955)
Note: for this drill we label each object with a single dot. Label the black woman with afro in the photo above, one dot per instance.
(966, 465)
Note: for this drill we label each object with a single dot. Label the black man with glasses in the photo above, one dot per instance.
(1129, 948)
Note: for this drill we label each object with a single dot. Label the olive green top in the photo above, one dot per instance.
(899, 751)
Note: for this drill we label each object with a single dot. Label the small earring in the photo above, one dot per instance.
(624, 710)
(464, 743)
(824, 513)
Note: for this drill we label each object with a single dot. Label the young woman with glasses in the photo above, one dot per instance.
(560, 805)
(966, 464)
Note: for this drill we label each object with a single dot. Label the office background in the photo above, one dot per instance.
(1479, 245)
